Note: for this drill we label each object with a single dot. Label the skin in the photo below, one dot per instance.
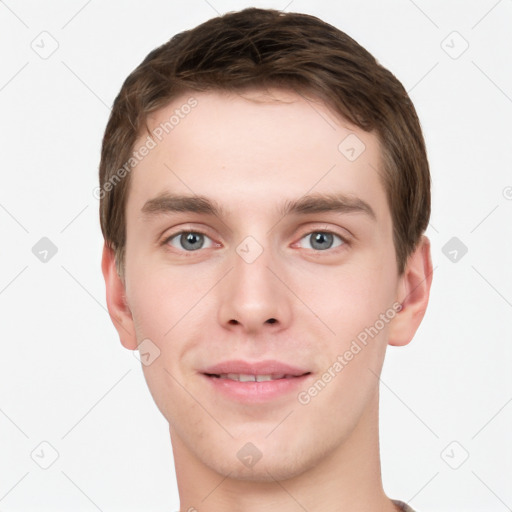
(249, 153)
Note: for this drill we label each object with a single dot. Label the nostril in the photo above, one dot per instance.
(271, 320)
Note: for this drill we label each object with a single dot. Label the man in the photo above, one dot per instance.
(264, 195)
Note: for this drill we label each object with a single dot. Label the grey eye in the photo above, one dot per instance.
(322, 240)
(189, 241)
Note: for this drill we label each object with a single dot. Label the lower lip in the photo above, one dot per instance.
(257, 391)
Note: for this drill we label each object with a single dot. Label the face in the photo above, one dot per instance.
(258, 234)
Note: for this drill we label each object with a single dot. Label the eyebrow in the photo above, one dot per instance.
(312, 203)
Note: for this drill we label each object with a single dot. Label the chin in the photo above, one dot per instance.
(273, 468)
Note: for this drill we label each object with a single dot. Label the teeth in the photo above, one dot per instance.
(261, 378)
(241, 377)
(251, 378)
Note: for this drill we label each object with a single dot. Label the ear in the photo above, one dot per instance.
(118, 309)
(413, 294)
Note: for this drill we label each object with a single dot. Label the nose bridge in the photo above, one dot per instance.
(252, 296)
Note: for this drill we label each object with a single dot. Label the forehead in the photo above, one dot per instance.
(255, 146)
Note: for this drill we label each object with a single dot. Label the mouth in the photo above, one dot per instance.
(244, 377)
(255, 383)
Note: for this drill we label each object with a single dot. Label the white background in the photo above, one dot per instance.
(66, 380)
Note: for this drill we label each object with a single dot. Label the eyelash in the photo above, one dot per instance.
(344, 240)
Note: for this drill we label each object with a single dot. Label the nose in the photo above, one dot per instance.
(253, 296)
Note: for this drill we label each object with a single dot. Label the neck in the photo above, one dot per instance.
(348, 478)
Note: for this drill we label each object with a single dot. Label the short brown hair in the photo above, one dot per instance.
(260, 48)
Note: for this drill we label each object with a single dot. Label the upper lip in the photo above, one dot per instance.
(268, 367)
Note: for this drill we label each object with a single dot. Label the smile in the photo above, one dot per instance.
(256, 388)
(241, 377)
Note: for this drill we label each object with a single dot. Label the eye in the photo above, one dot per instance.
(322, 240)
(189, 241)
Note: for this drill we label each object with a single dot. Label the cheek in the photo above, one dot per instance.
(159, 297)
(353, 297)
(161, 303)
(353, 355)
(357, 305)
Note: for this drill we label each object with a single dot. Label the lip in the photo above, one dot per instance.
(256, 392)
(255, 368)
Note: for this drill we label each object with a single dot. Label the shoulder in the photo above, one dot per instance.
(403, 506)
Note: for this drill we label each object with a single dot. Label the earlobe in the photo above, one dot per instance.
(118, 309)
(414, 291)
